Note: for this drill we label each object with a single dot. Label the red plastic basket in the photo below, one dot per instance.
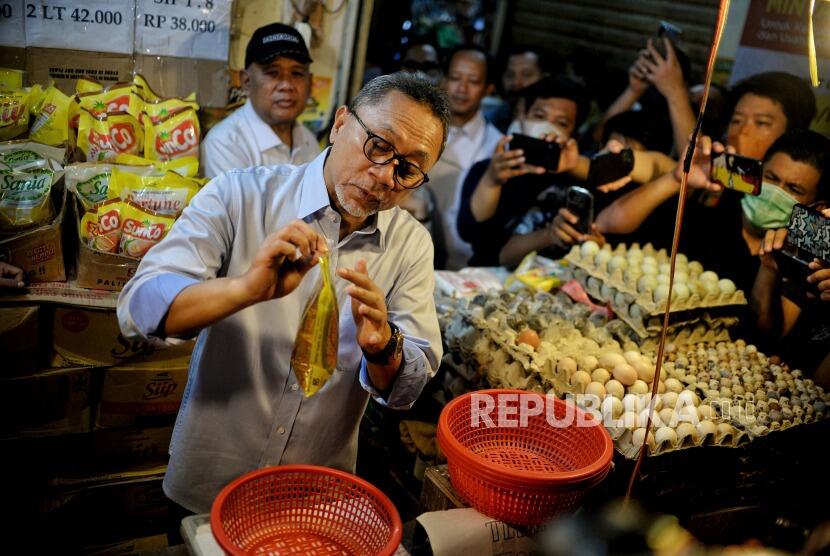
(304, 509)
(523, 475)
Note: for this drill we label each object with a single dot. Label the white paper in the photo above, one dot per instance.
(183, 28)
(12, 32)
(97, 25)
(466, 531)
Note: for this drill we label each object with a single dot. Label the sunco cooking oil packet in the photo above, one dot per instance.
(105, 234)
(102, 138)
(142, 229)
(51, 125)
(177, 136)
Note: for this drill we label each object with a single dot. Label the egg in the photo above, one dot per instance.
(695, 268)
(529, 337)
(602, 258)
(615, 388)
(669, 399)
(674, 385)
(667, 436)
(639, 436)
(580, 380)
(706, 428)
(589, 249)
(661, 293)
(706, 412)
(662, 279)
(639, 387)
(649, 260)
(681, 291)
(726, 286)
(687, 433)
(566, 366)
(612, 407)
(645, 370)
(617, 262)
(681, 259)
(595, 389)
(630, 420)
(650, 269)
(646, 283)
(589, 363)
(655, 418)
(689, 398)
(632, 357)
(667, 416)
(609, 360)
(708, 276)
(625, 374)
(632, 402)
(600, 375)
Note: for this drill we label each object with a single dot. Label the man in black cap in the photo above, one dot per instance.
(264, 131)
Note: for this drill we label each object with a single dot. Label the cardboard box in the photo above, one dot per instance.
(133, 443)
(129, 394)
(93, 337)
(178, 77)
(22, 340)
(39, 252)
(66, 66)
(46, 404)
(12, 57)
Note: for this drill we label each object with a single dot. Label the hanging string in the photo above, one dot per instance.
(678, 224)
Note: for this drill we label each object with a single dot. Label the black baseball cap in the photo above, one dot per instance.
(276, 39)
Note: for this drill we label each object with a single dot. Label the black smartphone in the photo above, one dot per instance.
(808, 238)
(538, 152)
(580, 202)
(608, 167)
(737, 172)
(665, 30)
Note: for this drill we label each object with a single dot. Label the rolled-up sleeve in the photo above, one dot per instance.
(411, 306)
(193, 251)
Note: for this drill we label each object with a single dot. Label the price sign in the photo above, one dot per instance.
(183, 28)
(98, 25)
(11, 23)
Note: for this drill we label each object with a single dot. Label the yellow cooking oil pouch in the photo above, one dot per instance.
(142, 229)
(89, 225)
(51, 124)
(15, 105)
(24, 196)
(102, 138)
(314, 357)
(167, 194)
(187, 166)
(177, 136)
(11, 79)
(87, 84)
(105, 236)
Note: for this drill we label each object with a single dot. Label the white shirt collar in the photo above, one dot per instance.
(472, 128)
(265, 137)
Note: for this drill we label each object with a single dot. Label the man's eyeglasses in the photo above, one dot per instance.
(380, 151)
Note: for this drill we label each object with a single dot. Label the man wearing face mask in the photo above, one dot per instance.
(791, 317)
(265, 131)
(468, 79)
(504, 187)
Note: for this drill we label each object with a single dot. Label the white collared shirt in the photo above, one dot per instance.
(243, 140)
(242, 408)
(476, 140)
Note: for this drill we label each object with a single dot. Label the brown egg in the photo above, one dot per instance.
(625, 374)
(529, 337)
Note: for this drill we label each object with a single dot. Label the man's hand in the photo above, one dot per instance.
(568, 156)
(283, 260)
(508, 164)
(700, 171)
(773, 241)
(613, 146)
(11, 276)
(821, 277)
(664, 73)
(564, 234)
(368, 308)
(637, 82)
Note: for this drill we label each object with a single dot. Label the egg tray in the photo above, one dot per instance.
(624, 443)
(624, 297)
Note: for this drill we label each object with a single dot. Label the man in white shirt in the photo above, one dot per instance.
(239, 266)
(467, 81)
(265, 131)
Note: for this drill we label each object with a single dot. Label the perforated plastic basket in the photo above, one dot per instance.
(522, 474)
(304, 509)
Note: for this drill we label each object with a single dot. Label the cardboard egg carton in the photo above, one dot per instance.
(601, 280)
(624, 442)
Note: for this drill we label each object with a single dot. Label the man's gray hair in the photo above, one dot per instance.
(416, 87)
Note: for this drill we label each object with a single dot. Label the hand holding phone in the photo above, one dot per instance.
(537, 152)
(580, 202)
(807, 240)
(737, 172)
(609, 167)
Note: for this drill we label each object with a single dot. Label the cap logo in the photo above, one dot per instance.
(279, 37)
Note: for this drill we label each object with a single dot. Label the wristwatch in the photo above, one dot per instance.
(391, 351)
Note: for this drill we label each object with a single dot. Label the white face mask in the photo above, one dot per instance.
(535, 128)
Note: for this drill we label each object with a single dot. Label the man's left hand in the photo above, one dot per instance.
(368, 308)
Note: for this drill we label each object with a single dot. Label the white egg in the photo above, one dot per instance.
(639, 387)
(632, 402)
(666, 435)
(680, 277)
(589, 249)
(726, 286)
(663, 279)
(664, 268)
(602, 258)
(661, 293)
(646, 283)
(649, 260)
(615, 388)
(632, 274)
(639, 435)
(612, 407)
(681, 291)
(708, 276)
(681, 259)
(600, 375)
(649, 269)
(674, 385)
(617, 262)
(695, 268)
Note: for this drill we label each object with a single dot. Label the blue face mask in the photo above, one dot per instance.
(769, 210)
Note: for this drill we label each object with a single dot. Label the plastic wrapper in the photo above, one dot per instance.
(167, 194)
(51, 125)
(177, 136)
(105, 235)
(14, 154)
(11, 79)
(103, 137)
(88, 85)
(15, 105)
(141, 229)
(89, 181)
(24, 195)
(314, 358)
(188, 166)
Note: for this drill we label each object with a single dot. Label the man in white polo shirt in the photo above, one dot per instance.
(265, 131)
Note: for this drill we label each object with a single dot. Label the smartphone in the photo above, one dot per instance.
(665, 30)
(808, 238)
(538, 152)
(608, 167)
(580, 202)
(740, 173)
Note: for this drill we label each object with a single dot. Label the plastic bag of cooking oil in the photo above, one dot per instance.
(141, 229)
(14, 154)
(100, 138)
(51, 125)
(115, 99)
(89, 181)
(15, 105)
(314, 358)
(187, 166)
(89, 226)
(177, 136)
(88, 85)
(162, 109)
(11, 79)
(105, 234)
(24, 195)
(167, 194)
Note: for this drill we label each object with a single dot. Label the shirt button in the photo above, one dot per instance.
(281, 430)
(295, 387)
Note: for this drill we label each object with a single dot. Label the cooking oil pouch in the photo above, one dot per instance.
(115, 99)
(167, 194)
(101, 139)
(89, 226)
(142, 229)
(178, 136)
(51, 125)
(314, 357)
(162, 109)
(89, 181)
(143, 87)
(105, 236)
(88, 85)
(15, 154)
(11, 79)
(24, 196)
(187, 166)
(15, 105)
